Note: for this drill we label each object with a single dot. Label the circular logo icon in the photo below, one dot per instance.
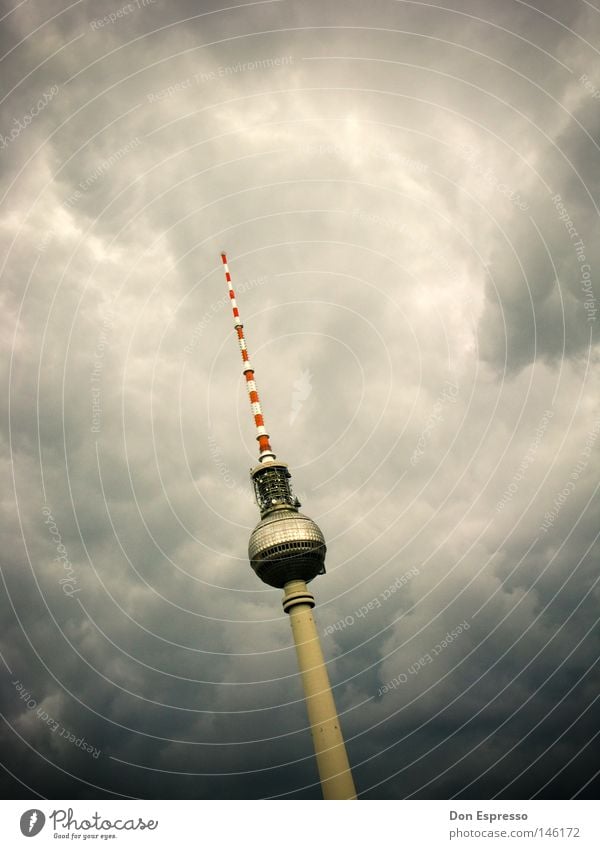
(32, 822)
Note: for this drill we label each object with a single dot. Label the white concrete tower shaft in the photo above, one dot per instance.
(330, 750)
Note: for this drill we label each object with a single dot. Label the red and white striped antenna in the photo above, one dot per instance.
(265, 452)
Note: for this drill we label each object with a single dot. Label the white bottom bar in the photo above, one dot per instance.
(223, 823)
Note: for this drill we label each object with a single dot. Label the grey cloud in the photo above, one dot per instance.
(371, 206)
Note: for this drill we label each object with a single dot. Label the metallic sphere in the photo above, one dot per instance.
(286, 546)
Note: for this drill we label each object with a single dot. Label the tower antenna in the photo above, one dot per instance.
(287, 550)
(266, 452)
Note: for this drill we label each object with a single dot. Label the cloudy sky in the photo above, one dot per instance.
(408, 194)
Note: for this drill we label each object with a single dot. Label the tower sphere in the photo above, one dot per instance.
(286, 546)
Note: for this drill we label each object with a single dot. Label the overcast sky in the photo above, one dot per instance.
(407, 193)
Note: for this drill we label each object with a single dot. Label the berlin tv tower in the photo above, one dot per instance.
(287, 550)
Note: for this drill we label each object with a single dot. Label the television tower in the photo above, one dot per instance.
(287, 550)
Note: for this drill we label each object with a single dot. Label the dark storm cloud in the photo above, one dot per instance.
(407, 195)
